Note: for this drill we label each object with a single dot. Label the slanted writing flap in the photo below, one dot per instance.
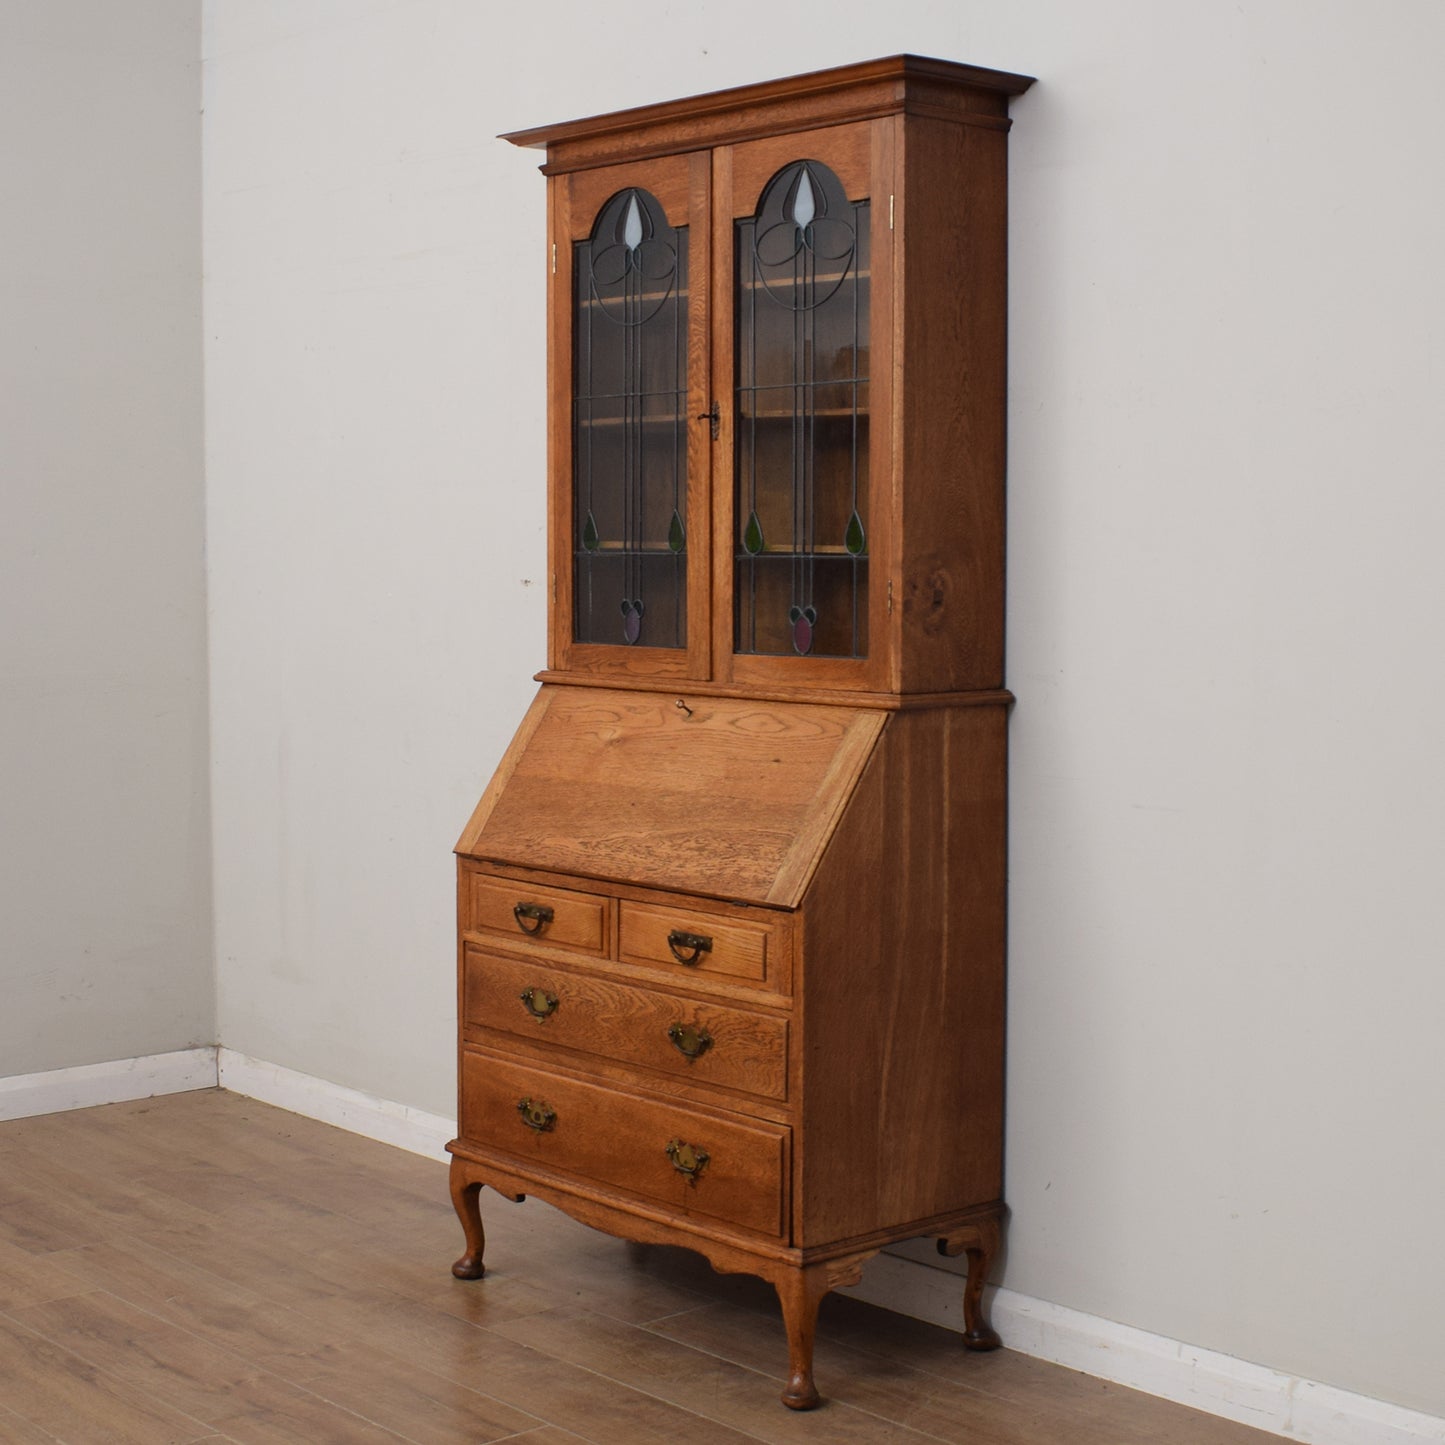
(735, 798)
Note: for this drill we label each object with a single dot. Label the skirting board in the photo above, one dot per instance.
(83, 1087)
(1294, 1408)
(349, 1109)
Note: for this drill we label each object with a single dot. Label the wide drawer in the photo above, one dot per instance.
(696, 1039)
(523, 911)
(685, 941)
(628, 1142)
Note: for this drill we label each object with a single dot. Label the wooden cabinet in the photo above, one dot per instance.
(731, 911)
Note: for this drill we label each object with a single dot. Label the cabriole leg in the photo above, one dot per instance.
(800, 1291)
(980, 1243)
(465, 1198)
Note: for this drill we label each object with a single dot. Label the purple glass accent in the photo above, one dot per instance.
(631, 620)
(802, 619)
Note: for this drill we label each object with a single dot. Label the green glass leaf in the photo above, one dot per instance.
(590, 540)
(753, 536)
(676, 537)
(853, 539)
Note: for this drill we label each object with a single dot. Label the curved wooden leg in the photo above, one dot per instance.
(980, 1243)
(465, 1192)
(800, 1291)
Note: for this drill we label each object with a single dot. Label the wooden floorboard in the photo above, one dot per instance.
(205, 1268)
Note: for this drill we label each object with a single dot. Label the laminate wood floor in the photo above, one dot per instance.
(204, 1267)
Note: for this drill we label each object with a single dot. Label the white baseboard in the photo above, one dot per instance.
(83, 1087)
(1288, 1405)
(1296, 1408)
(349, 1109)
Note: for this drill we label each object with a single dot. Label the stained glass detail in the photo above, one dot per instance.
(803, 208)
(801, 423)
(803, 620)
(632, 227)
(631, 618)
(630, 421)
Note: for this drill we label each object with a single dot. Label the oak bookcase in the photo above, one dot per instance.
(731, 911)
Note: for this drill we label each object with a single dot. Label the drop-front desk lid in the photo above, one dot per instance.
(731, 797)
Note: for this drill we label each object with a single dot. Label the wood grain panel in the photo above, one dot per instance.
(954, 236)
(902, 987)
(723, 797)
(621, 1139)
(737, 949)
(597, 1015)
(579, 920)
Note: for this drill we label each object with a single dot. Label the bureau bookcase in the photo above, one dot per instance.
(731, 910)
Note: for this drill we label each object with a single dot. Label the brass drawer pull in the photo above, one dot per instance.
(539, 914)
(688, 1159)
(536, 1115)
(540, 1004)
(688, 947)
(692, 1040)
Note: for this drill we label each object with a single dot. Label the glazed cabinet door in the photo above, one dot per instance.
(629, 449)
(802, 351)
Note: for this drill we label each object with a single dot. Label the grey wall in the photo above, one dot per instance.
(1228, 315)
(105, 949)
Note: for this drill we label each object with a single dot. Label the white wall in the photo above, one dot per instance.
(1228, 325)
(104, 822)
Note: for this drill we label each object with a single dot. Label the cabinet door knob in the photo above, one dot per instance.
(539, 1003)
(688, 1159)
(531, 917)
(714, 416)
(691, 1040)
(536, 1115)
(688, 947)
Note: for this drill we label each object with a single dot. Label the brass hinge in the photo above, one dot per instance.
(554, 253)
(890, 227)
(890, 598)
(554, 586)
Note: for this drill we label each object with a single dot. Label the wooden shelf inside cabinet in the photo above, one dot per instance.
(731, 910)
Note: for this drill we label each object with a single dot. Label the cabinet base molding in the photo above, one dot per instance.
(801, 1277)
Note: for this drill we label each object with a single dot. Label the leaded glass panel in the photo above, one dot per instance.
(629, 444)
(801, 428)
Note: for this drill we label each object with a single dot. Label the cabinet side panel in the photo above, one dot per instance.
(954, 326)
(903, 984)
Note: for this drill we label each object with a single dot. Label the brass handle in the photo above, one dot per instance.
(692, 1040)
(688, 1159)
(538, 914)
(543, 1009)
(688, 947)
(536, 1115)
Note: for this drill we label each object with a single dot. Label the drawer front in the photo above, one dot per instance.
(554, 916)
(696, 1039)
(686, 942)
(595, 1133)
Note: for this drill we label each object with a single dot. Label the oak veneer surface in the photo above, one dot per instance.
(903, 983)
(206, 1268)
(729, 797)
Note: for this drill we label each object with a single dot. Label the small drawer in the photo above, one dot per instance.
(687, 942)
(694, 1039)
(555, 916)
(692, 1161)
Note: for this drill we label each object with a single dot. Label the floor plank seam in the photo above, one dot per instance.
(636, 1389)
